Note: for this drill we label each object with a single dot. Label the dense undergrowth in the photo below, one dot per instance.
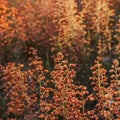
(59, 60)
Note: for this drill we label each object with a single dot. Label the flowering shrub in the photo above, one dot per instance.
(59, 60)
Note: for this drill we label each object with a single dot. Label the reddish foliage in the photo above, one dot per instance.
(47, 54)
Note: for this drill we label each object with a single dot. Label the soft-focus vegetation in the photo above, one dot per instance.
(59, 59)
